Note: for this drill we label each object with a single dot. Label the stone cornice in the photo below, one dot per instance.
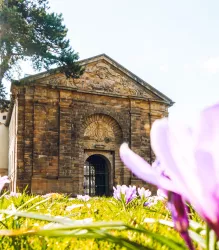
(103, 94)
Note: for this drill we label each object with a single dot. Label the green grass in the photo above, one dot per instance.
(20, 232)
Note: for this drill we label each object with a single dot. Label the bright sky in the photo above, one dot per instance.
(173, 45)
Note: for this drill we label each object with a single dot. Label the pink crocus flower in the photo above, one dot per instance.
(13, 194)
(161, 194)
(83, 197)
(144, 193)
(190, 157)
(3, 181)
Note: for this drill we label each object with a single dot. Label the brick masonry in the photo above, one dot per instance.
(61, 122)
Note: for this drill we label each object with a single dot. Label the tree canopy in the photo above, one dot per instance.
(29, 30)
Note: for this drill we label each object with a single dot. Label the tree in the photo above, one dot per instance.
(29, 31)
(3, 102)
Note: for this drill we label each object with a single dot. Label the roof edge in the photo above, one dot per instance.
(112, 62)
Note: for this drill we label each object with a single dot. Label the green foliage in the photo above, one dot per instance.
(34, 222)
(30, 31)
(3, 102)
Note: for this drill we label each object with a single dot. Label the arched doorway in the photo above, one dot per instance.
(96, 176)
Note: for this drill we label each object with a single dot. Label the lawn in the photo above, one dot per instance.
(46, 222)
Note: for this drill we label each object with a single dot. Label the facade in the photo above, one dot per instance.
(3, 143)
(65, 134)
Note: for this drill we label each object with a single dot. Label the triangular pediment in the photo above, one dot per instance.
(103, 75)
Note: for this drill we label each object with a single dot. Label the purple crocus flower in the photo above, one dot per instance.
(124, 193)
(130, 194)
(190, 158)
(152, 201)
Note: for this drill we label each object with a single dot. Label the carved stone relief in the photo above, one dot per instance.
(100, 77)
(99, 131)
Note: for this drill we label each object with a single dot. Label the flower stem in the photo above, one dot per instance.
(207, 240)
(213, 241)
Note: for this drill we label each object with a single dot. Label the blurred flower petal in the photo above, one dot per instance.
(189, 157)
(142, 169)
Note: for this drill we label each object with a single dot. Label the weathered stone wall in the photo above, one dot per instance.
(62, 122)
(54, 141)
(143, 114)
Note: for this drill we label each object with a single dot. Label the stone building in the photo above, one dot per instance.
(3, 143)
(65, 133)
